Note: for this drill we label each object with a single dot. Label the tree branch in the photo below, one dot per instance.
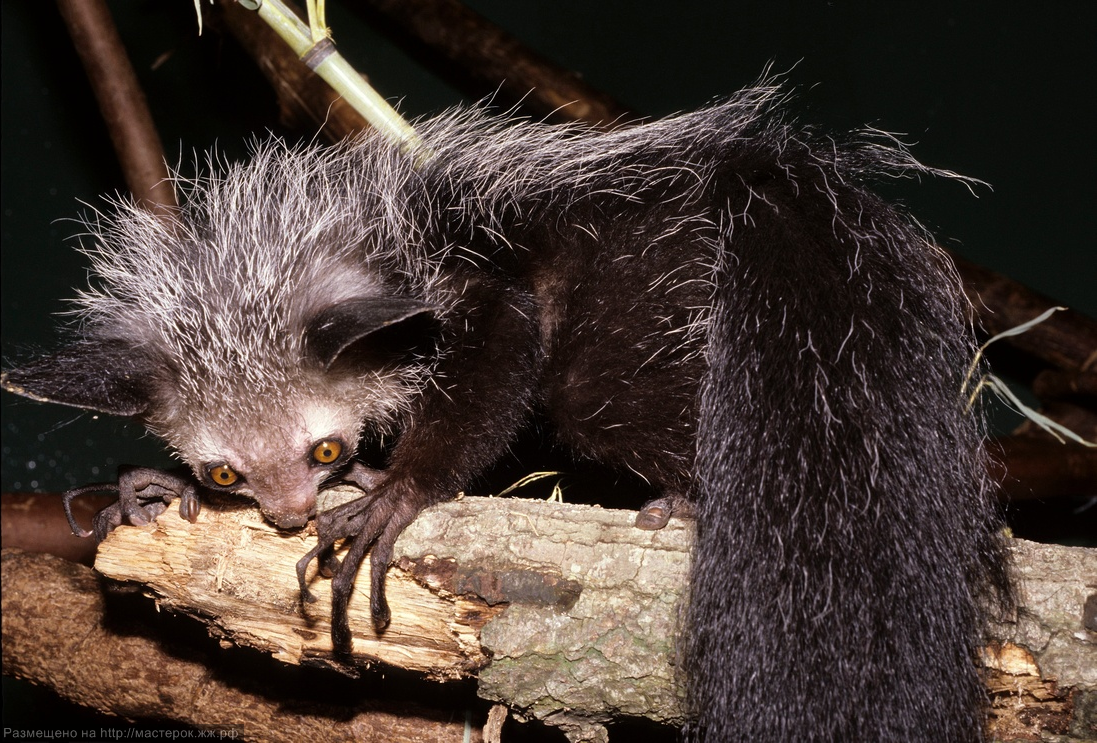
(553, 607)
(121, 102)
(36, 522)
(1029, 466)
(457, 568)
(497, 61)
(109, 653)
(1067, 340)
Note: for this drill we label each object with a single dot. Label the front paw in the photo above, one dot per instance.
(143, 494)
(656, 513)
(368, 524)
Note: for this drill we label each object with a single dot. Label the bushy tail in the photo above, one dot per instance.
(847, 539)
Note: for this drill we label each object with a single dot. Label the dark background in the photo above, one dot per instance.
(1003, 94)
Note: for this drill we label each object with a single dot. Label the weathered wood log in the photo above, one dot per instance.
(1043, 661)
(552, 606)
(565, 613)
(60, 630)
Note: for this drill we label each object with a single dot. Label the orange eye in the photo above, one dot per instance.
(327, 451)
(223, 475)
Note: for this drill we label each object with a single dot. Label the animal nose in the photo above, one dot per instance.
(287, 519)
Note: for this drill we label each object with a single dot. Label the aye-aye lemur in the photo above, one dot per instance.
(714, 301)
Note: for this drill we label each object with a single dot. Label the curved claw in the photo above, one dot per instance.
(341, 586)
(189, 504)
(136, 513)
(68, 496)
(303, 566)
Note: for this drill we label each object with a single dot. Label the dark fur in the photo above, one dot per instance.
(714, 302)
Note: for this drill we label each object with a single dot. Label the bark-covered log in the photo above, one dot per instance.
(1043, 677)
(61, 630)
(553, 606)
(566, 613)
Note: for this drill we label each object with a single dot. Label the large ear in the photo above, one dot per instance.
(340, 326)
(105, 376)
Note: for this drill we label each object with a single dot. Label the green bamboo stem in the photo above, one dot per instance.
(320, 55)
